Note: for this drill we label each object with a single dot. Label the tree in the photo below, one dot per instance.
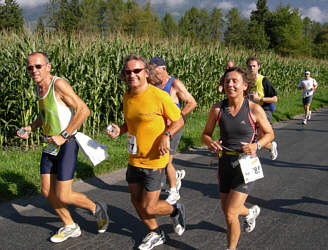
(169, 27)
(216, 25)
(40, 28)
(262, 12)
(64, 15)
(256, 37)
(92, 15)
(285, 29)
(236, 30)
(11, 16)
(321, 43)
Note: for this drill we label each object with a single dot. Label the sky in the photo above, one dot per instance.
(313, 9)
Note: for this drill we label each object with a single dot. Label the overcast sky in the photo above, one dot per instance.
(314, 12)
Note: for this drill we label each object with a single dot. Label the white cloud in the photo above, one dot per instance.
(31, 3)
(247, 11)
(225, 5)
(169, 3)
(315, 14)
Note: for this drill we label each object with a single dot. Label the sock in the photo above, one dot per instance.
(173, 189)
(156, 230)
(71, 226)
(175, 211)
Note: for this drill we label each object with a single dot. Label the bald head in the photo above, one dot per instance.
(230, 64)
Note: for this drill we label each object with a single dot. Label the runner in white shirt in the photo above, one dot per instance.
(309, 85)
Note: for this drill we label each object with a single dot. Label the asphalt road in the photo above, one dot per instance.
(293, 197)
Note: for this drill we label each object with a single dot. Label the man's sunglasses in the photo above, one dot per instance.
(38, 66)
(135, 71)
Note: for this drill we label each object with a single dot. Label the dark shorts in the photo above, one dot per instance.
(174, 142)
(231, 177)
(151, 178)
(63, 164)
(269, 115)
(307, 100)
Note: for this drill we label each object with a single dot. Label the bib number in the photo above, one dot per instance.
(251, 168)
(132, 144)
(50, 148)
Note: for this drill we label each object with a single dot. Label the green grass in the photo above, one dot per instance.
(19, 170)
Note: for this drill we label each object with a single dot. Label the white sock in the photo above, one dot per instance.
(173, 189)
(71, 226)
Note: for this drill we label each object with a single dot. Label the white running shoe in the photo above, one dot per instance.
(66, 232)
(250, 219)
(152, 240)
(305, 121)
(309, 117)
(179, 221)
(274, 151)
(180, 174)
(173, 197)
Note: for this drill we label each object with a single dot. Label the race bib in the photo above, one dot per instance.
(132, 144)
(251, 168)
(50, 148)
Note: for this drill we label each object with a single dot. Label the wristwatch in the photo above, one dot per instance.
(168, 134)
(65, 134)
(258, 146)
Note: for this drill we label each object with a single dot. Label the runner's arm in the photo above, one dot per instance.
(185, 96)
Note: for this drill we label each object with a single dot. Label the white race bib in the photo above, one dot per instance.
(251, 168)
(132, 144)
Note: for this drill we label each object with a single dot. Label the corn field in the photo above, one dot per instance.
(92, 64)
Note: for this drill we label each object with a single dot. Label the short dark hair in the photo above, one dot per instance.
(246, 75)
(253, 58)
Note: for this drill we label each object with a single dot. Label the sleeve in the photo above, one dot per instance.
(170, 109)
(269, 90)
(300, 84)
(315, 82)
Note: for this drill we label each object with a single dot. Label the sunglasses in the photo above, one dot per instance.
(307, 73)
(38, 66)
(135, 71)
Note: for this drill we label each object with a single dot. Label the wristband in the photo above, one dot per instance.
(261, 99)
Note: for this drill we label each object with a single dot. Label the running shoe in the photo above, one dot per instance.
(180, 174)
(249, 223)
(274, 151)
(309, 117)
(66, 232)
(305, 121)
(152, 240)
(179, 221)
(102, 217)
(173, 197)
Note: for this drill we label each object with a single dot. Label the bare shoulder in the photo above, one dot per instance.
(177, 84)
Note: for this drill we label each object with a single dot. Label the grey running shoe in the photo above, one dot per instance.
(309, 117)
(66, 232)
(152, 240)
(249, 223)
(173, 197)
(102, 217)
(180, 174)
(179, 221)
(274, 151)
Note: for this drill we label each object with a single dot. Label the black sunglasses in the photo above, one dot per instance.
(135, 71)
(38, 66)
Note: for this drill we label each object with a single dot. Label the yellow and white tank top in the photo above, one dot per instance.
(55, 115)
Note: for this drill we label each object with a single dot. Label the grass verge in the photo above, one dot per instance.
(19, 170)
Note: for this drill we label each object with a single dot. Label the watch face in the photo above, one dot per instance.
(65, 134)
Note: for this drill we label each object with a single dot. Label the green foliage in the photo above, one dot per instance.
(169, 27)
(236, 31)
(11, 16)
(285, 28)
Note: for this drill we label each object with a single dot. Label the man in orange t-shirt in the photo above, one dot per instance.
(146, 109)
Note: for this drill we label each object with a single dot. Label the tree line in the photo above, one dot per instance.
(282, 30)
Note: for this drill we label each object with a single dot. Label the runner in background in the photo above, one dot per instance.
(308, 85)
(229, 65)
(264, 94)
(178, 92)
